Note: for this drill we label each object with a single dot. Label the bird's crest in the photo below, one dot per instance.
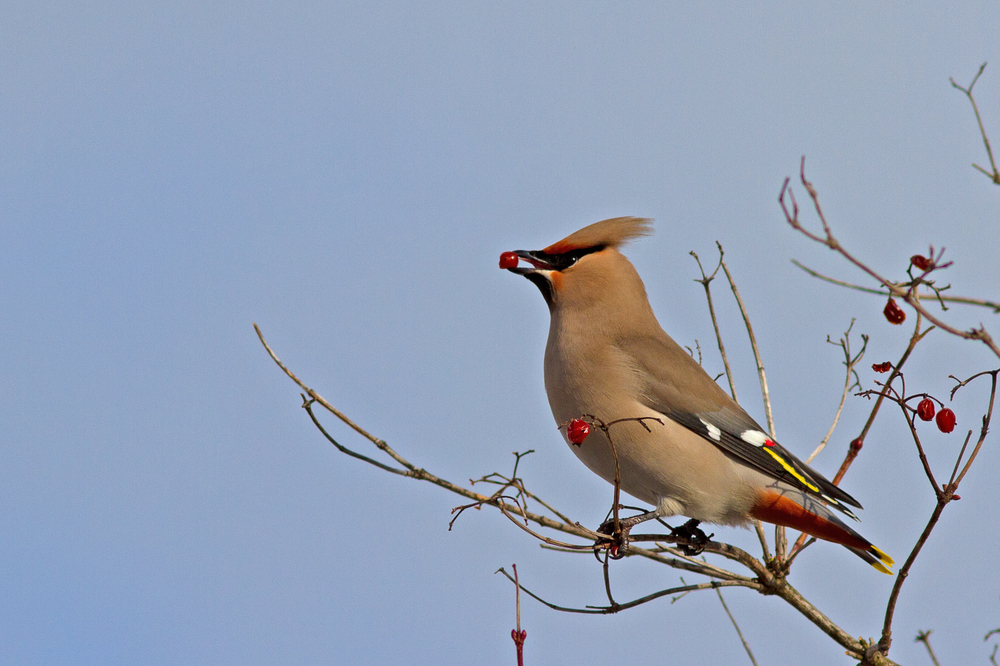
(606, 233)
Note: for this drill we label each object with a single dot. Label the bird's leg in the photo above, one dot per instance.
(696, 539)
(619, 539)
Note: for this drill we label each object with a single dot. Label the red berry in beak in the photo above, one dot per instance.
(577, 431)
(922, 263)
(508, 260)
(946, 420)
(925, 410)
(893, 312)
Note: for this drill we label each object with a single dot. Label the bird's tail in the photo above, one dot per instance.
(782, 505)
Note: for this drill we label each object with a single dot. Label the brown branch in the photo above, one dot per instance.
(886, 641)
(945, 495)
(514, 509)
(828, 239)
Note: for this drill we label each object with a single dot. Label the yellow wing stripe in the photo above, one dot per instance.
(791, 470)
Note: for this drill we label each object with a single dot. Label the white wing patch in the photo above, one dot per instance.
(754, 437)
(713, 431)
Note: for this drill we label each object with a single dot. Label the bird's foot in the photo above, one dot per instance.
(696, 539)
(618, 540)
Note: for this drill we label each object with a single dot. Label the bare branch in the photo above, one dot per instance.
(925, 638)
(992, 305)
(995, 176)
(849, 362)
(617, 608)
(907, 294)
(746, 646)
(753, 344)
(705, 282)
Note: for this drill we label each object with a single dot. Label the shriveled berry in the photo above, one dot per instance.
(945, 420)
(922, 263)
(882, 367)
(577, 431)
(925, 409)
(893, 312)
(508, 260)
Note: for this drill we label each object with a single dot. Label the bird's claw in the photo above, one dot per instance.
(617, 542)
(695, 537)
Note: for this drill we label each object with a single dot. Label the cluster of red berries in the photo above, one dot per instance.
(945, 418)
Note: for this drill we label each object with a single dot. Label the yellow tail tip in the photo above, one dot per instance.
(884, 561)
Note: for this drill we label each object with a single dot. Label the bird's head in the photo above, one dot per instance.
(585, 267)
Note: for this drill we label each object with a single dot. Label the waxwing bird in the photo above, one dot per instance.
(696, 453)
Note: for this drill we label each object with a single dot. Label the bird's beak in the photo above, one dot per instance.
(540, 272)
(536, 258)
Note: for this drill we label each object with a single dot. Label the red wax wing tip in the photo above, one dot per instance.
(768, 442)
(925, 410)
(577, 431)
(946, 420)
(894, 313)
(508, 260)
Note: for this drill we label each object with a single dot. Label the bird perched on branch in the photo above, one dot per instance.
(686, 447)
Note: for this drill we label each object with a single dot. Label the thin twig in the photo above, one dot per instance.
(995, 176)
(850, 362)
(753, 344)
(746, 646)
(992, 305)
(617, 608)
(705, 282)
(925, 638)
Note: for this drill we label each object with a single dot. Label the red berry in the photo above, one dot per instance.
(893, 312)
(922, 263)
(577, 431)
(946, 420)
(882, 367)
(508, 260)
(925, 410)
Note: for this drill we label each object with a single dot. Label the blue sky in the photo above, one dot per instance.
(345, 175)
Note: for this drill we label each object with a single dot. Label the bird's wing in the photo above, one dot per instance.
(676, 386)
